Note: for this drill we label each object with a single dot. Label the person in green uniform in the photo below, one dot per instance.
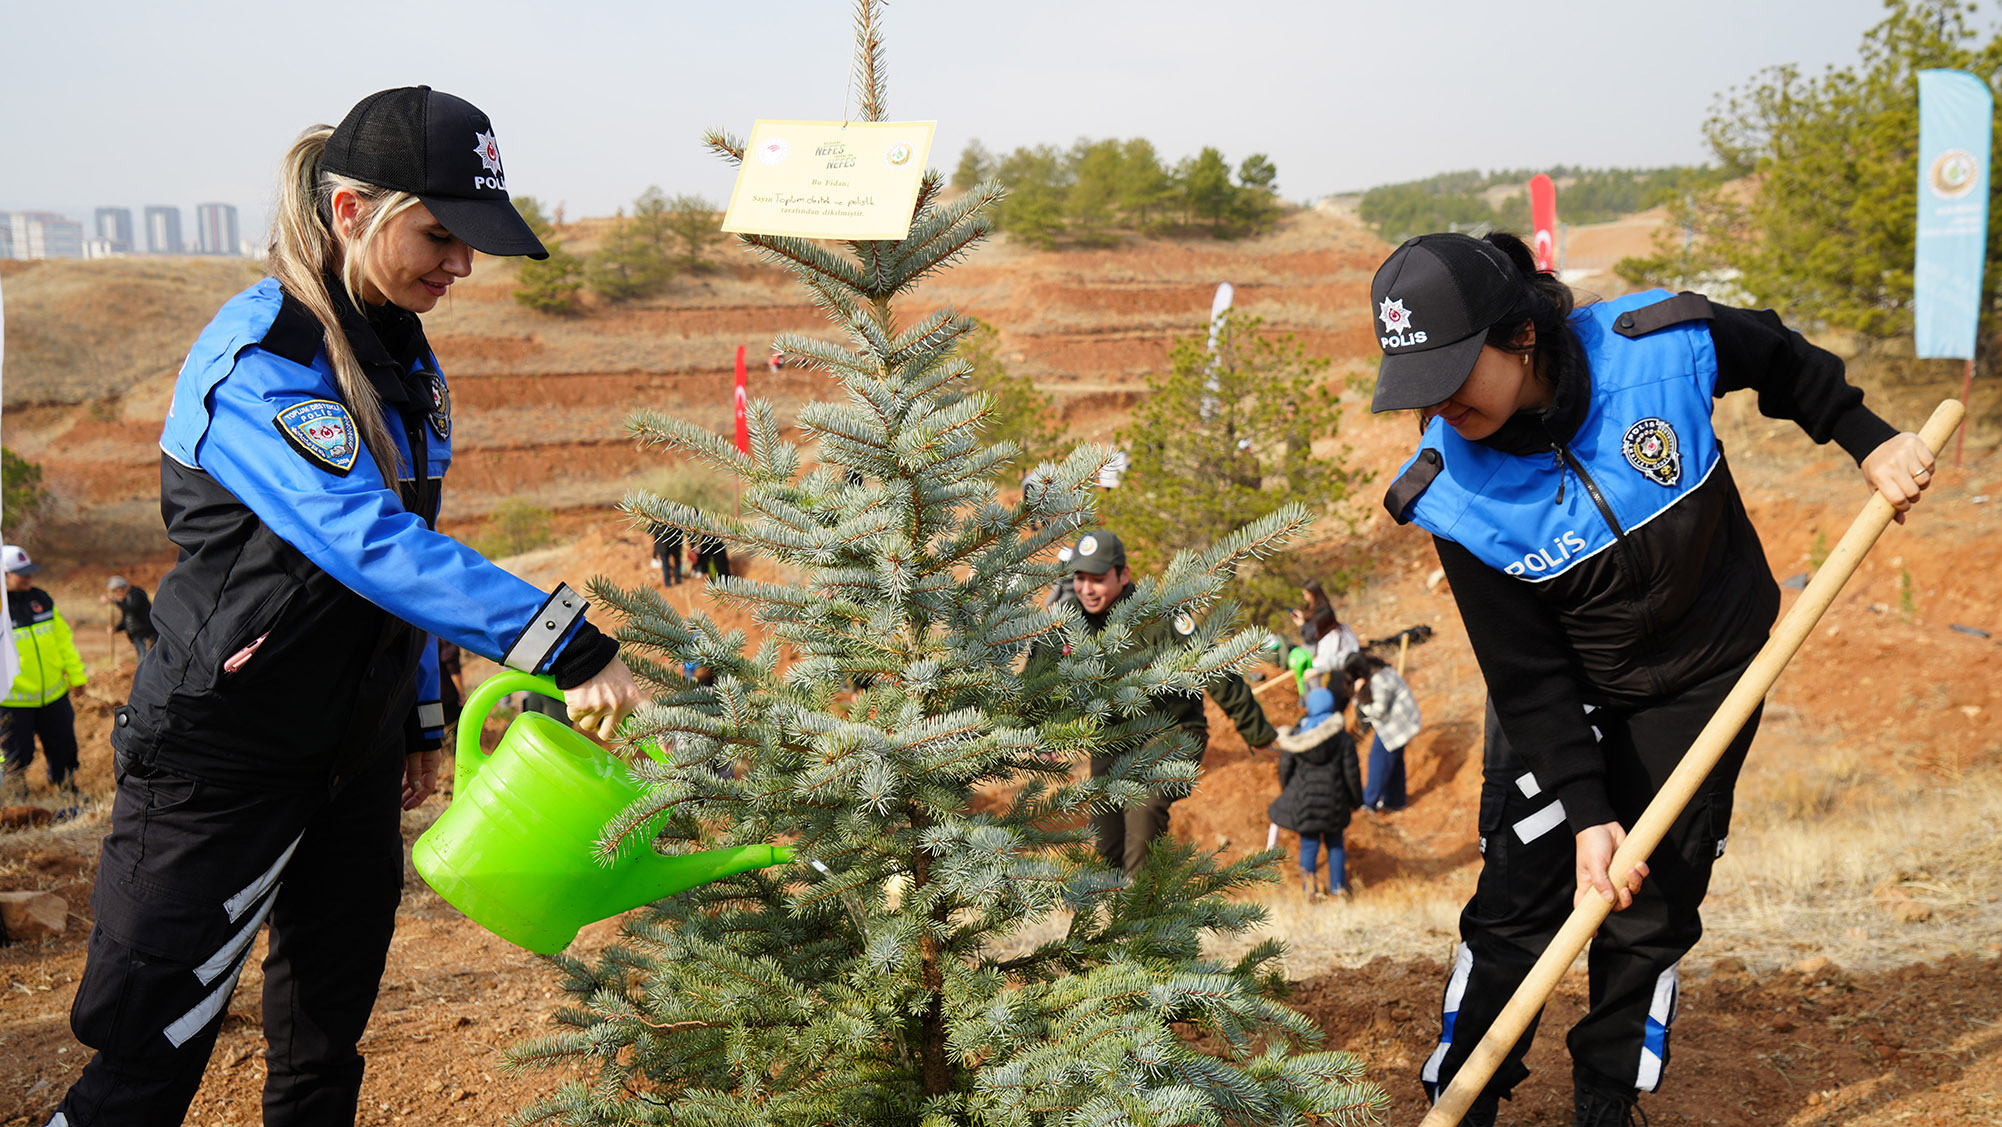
(1100, 579)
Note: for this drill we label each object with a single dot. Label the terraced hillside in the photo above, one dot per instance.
(542, 399)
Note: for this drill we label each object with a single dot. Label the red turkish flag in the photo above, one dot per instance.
(743, 407)
(1543, 219)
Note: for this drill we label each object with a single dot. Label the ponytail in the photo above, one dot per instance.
(1545, 304)
(305, 250)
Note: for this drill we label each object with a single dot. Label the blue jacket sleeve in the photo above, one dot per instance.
(354, 527)
(427, 723)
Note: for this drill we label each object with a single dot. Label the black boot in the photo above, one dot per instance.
(1598, 1107)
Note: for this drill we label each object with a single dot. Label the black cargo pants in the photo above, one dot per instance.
(1528, 877)
(188, 874)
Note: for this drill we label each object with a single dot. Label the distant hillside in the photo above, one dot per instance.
(1459, 200)
(78, 331)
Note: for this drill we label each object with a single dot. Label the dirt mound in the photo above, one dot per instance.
(1810, 1045)
(79, 331)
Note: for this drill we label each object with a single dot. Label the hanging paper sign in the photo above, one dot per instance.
(830, 179)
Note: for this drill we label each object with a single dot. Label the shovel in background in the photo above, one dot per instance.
(1680, 787)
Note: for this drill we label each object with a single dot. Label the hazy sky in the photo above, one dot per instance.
(130, 103)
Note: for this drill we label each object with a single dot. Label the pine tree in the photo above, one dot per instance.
(898, 979)
(1225, 437)
(549, 285)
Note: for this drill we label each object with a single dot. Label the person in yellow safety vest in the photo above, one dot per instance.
(38, 702)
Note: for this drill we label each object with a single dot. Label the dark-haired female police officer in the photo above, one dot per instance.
(291, 705)
(1613, 589)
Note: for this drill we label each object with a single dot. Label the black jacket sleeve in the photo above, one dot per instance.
(1286, 764)
(1234, 697)
(1795, 380)
(1351, 769)
(1525, 659)
(588, 651)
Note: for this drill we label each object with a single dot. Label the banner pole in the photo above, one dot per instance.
(1966, 394)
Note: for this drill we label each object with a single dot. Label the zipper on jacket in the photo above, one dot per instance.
(1641, 613)
(1592, 488)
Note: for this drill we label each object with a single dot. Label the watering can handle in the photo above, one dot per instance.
(474, 717)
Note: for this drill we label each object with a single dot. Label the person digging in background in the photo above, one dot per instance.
(291, 709)
(38, 702)
(1100, 579)
(1386, 701)
(1613, 589)
(1319, 786)
(135, 614)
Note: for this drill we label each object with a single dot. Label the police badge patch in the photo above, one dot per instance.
(441, 405)
(1651, 448)
(322, 430)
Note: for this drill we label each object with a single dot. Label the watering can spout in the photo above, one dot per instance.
(650, 876)
(514, 851)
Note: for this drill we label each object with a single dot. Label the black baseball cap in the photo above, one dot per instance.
(1097, 552)
(1435, 298)
(441, 149)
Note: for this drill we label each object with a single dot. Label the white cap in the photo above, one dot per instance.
(16, 561)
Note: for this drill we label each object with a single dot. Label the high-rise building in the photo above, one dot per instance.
(114, 226)
(44, 234)
(163, 230)
(215, 228)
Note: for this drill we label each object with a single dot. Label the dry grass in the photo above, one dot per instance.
(79, 331)
(1400, 921)
(1822, 866)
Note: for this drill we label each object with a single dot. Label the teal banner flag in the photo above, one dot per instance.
(1956, 111)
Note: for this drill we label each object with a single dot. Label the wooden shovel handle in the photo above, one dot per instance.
(1680, 787)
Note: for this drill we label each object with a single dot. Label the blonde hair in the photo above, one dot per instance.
(305, 249)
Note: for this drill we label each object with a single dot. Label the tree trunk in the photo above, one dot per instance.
(931, 1024)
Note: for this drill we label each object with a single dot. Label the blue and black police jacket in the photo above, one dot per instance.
(1599, 551)
(298, 628)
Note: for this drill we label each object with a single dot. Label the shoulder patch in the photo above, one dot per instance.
(1660, 315)
(441, 404)
(1652, 448)
(1412, 483)
(323, 431)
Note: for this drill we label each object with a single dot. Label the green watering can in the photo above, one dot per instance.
(514, 849)
(1299, 661)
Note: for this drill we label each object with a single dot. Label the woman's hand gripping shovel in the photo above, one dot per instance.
(1680, 787)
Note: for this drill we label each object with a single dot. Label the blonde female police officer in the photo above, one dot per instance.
(291, 705)
(1613, 589)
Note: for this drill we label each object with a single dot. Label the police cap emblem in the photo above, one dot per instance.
(1651, 447)
(1184, 625)
(322, 430)
(1088, 546)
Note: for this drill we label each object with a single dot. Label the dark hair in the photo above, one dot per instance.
(1545, 304)
(1319, 614)
(1361, 667)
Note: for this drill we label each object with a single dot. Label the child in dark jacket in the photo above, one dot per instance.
(1320, 783)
